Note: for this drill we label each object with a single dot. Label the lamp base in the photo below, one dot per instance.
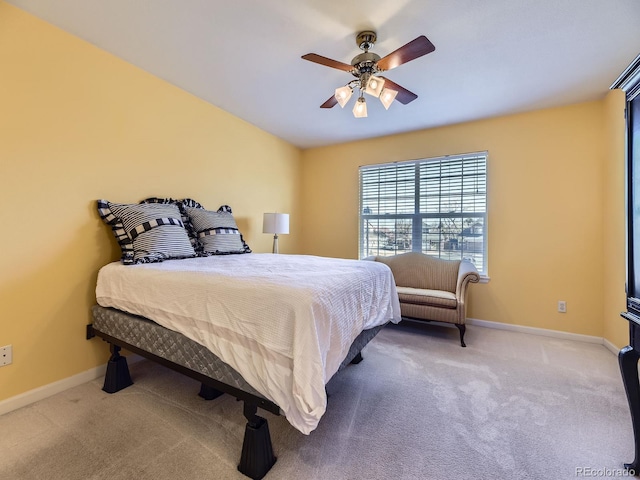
(275, 243)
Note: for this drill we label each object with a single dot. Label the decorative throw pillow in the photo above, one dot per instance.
(182, 206)
(227, 208)
(217, 231)
(147, 232)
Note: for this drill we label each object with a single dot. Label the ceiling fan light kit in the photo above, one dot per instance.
(387, 96)
(360, 108)
(374, 86)
(343, 94)
(365, 68)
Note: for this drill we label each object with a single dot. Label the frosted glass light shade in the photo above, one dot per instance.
(360, 108)
(387, 97)
(275, 223)
(343, 94)
(374, 86)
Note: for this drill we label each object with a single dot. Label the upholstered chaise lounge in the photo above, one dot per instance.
(431, 289)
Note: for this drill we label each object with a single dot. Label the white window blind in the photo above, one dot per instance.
(437, 206)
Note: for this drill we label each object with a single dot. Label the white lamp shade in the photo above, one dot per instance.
(343, 94)
(387, 97)
(275, 223)
(374, 86)
(360, 108)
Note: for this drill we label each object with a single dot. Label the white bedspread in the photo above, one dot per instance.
(284, 322)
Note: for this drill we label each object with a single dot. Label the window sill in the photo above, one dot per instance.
(484, 279)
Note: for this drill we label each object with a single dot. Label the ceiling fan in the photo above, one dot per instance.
(366, 67)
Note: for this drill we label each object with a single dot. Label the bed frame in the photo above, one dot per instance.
(146, 338)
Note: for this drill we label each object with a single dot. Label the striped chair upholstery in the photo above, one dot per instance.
(431, 289)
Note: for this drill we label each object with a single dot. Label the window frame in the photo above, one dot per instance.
(418, 234)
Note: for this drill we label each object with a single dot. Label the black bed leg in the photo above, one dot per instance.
(117, 376)
(209, 393)
(257, 452)
(462, 329)
(357, 359)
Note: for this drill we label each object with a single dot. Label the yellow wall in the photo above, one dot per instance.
(545, 212)
(616, 330)
(77, 124)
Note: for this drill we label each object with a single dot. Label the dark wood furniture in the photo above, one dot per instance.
(628, 357)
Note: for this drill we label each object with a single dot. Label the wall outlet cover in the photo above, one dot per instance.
(6, 355)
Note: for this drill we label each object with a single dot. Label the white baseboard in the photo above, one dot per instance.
(610, 346)
(40, 393)
(545, 332)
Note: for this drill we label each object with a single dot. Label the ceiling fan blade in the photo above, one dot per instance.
(404, 96)
(313, 57)
(331, 102)
(412, 50)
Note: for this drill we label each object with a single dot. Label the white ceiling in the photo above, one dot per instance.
(492, 57)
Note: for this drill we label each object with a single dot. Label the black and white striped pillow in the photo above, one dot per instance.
(147, 232)
(182, 206)
(217, 232)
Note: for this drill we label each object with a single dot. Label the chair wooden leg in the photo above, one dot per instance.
(462, 328)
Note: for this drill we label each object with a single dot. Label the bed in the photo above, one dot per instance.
(269, 329)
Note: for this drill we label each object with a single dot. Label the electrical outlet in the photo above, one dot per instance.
(6, 355)
(562, 306)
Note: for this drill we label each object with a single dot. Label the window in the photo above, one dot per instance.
(437, 206)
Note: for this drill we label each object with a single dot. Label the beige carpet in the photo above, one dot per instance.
(509, 406)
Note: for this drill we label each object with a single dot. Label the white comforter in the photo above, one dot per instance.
(284, 322)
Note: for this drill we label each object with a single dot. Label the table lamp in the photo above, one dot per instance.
(275, 223)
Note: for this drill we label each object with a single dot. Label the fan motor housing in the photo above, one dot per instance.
(365, 63)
